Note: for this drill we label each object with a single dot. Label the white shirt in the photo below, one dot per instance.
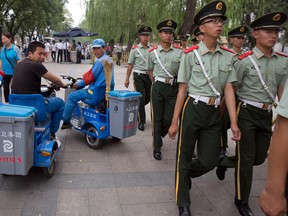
(60, 46)
(47, 47)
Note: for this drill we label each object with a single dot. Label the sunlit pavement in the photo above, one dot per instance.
(121, 178)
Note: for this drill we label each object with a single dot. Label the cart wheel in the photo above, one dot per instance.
(93, 142)
(116, 139)
(49, 171)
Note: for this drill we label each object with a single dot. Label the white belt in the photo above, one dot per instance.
(211, 101)
(264, 106)
(164, 80)
(140, 72)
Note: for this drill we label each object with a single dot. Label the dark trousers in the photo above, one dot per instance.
(59, 56)
(53, 56)
(119, 54)
(199, 123)
(79, 55)
(142, 84)
(256, 130)
(66, 55)
(7, 80)
(163, 98)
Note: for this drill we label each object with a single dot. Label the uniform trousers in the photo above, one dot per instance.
(142, 84)
(202, 123)
(163, 99)
(256, 130)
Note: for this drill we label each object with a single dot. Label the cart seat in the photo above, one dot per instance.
(98, 95)
(33, 100)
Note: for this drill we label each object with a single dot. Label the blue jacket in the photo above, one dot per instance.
(98, 72)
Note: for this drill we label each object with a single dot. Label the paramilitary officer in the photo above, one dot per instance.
(206, 71)
(184, 39)
(163, 61)
(198, 34)
(142, 83)
(237, 39)
(261, 74)
(177, 42)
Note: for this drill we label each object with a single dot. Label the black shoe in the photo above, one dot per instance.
(220, 171)
(243, 208)
(66, 125)
(157, 155)
(184, 211)
(141, 127)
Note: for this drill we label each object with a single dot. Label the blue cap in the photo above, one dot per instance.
(98, 43)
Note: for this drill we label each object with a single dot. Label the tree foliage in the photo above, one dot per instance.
(30, 16)
(119, 19)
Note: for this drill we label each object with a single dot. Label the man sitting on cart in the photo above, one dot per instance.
(27, 80)
(94, 77)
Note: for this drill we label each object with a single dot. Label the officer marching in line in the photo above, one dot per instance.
(163, 64)
(142, 83)
(237, 39)
(206, 71)
(177, 42)
(262, 74)
(198, 34)
(184, 39)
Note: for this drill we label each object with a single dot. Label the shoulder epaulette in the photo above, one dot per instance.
(226, 49)
(281, 54)
(190, 49)
(153, 48)
(244, 55)
(134, 47)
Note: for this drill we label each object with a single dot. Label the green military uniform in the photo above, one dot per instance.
(254, 122)
(240, 31)
(200, 118)
(163, 95)
(200, 122)
(282, 110)
(254, 107)
(164, 89)
(142, 83)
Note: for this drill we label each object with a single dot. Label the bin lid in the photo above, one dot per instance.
(124, 93)
(16, 110)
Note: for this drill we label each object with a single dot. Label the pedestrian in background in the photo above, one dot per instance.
(79, 52)
(10, 55)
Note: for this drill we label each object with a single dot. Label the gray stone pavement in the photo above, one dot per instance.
(120, 179)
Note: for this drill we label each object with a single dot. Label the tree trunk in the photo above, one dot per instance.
(187, 26)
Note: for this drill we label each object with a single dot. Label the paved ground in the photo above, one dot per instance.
(119, 179)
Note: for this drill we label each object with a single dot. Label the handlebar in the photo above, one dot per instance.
(72, 79)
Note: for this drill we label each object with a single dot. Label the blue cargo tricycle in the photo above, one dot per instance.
(99, 118)
(25, 136)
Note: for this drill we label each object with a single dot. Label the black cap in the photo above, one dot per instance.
(270, 20)
(167, 25)
(177, 38)
(240, 31)
(184, 37)
(197, 31)
(144, 30)
(212, 9)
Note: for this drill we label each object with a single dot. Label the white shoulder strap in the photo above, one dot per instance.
(205, 73)
(265, 86)
(141, 54)
(162, 66)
